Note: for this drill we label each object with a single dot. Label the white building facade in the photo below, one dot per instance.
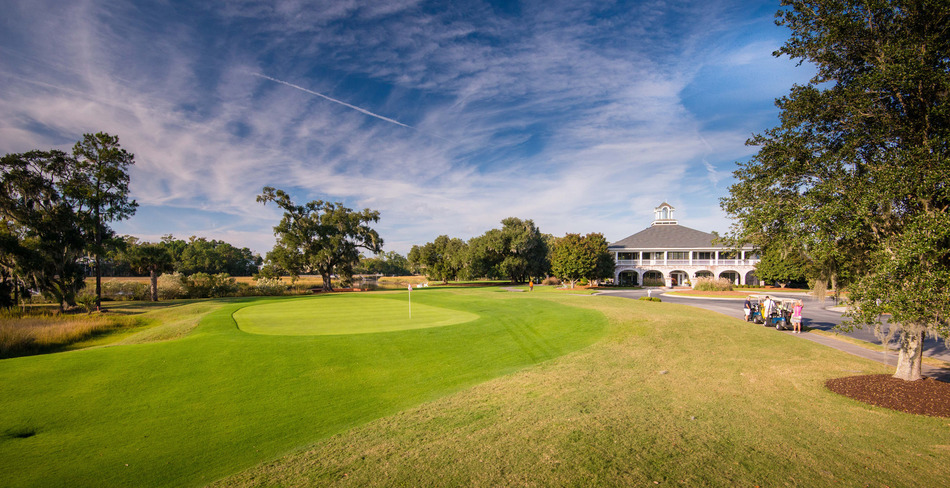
(668, 254)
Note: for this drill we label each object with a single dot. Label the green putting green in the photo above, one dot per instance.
(345, 314)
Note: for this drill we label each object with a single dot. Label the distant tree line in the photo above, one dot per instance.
(387, 264)
(517, 252)
(195, 255)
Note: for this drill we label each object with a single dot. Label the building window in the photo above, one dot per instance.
(703, 255)
(627, 256)
(679, 255)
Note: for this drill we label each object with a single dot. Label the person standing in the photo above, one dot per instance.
(768, 307)
(797, 317)
(747, 308)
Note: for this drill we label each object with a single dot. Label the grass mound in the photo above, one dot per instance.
(346, 314)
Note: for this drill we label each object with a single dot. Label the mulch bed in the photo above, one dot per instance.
(923, 397)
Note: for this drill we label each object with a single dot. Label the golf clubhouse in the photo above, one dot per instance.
(669, 254)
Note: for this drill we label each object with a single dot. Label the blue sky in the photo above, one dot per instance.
(445, 116)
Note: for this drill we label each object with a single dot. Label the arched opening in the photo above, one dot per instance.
(751, 279)
(704, 274)
(653, 278)
(731, 276)
(679, 278)
(629, 278)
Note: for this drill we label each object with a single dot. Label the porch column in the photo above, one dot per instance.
(665, 254)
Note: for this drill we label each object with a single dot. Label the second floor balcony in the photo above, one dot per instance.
(688, 262)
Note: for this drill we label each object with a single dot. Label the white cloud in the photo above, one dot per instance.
(561, 115)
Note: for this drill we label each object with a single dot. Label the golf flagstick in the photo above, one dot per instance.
(410, 301)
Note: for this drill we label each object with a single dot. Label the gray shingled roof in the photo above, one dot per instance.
(672, 236)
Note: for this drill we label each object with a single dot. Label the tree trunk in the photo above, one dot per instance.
(327, 284)
(911, 354)
(153, 277)
(98, 239)
(98, 284)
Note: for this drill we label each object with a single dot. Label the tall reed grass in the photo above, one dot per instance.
(22, 335)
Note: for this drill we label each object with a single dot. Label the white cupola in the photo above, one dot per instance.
(663, 215)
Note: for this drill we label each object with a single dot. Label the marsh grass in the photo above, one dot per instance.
(22, 335)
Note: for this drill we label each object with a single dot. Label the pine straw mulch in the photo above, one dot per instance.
(923, 397)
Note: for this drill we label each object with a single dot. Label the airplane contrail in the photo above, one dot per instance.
(354, 107)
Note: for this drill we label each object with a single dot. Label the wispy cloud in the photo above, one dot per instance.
(563, 112)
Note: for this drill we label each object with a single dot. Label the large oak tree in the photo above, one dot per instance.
(575, 257)
(320, 237)
(42, 236)
(442, 259)
(858, 171)
(518, 251)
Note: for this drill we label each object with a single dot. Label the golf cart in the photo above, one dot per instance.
(781, 313)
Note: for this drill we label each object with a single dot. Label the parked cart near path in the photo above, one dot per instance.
(781, 313)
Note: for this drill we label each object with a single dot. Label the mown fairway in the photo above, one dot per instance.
(672, 396)
(195, 409)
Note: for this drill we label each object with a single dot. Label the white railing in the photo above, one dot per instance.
(686, 262)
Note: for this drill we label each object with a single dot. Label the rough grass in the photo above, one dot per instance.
(672, 396)
(36, 334)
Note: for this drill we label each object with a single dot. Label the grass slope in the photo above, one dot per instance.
(671, 396)
(189, 411)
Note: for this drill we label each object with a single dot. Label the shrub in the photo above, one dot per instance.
(171, 286)
(270, 286)
(710, 284)
(204, 285)
(650, 299)
(87, 301)
(551, 281)
(124, 290)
